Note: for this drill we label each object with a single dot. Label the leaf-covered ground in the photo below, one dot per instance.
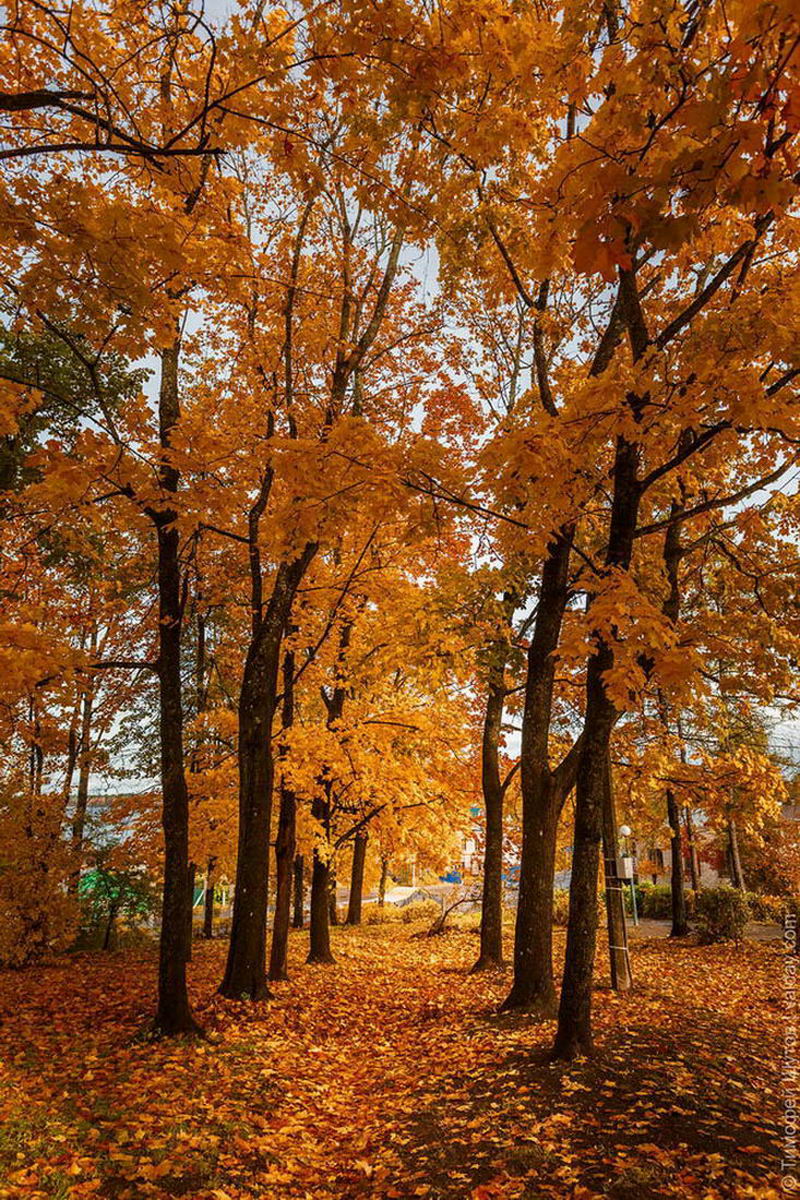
(390, 1076)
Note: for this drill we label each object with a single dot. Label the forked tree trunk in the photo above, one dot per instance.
(680, 924)
(246, 971)
(543, 794)
(299, 898)
(619, 959)
(357, 878)
(491, 950)
(173, 1015)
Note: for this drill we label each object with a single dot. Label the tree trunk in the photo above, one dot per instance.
(82, 799)
(320, 947)
(112, 914)
(245, 971)
(190, 920)
(491, 951)
(543, 794)
(298, 914)
(619, 959)
(737, 875)
(173, 1014)
(382, 882)
(574, 1034)
(333, 911)
(208, 901)
(357, 878)
(694, 865)
(285, 840)
(680, 925)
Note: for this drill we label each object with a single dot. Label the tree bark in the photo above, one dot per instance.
(694, 865)
(208, 901)
(333, 911)
(491, 949)
(320, 947)
(619, 959)
(680, 924)
(382, 882)
(357, 878)
(190, 915)
(84, 771)
(245, 972)
(298, 913)
(284, 843)
(574, 1033)
(737, 875)
(543, 795)
(173, 1015)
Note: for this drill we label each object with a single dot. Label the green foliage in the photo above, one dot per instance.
(722, 914)
(107, 894)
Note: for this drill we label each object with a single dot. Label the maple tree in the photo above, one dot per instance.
(399, 409)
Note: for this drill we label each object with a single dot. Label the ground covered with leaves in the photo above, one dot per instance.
(391, 1076)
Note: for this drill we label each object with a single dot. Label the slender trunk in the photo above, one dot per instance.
(190, 917)
(112, 913)
(299, 900)
(208, 901)
(543, 794)
(680, 924)
(619, 959)
(574, 1034)
(284, 842)
(320, 947)
(737, 875)
(173, 1014)
(246, 972)
(694, 863)
(491, 951)
(333, 911)
(382, 882)
(357, 878)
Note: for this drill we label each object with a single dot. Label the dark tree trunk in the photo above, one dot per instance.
(112, 915)
(382, 882)
(694, 865)
(543, 794)
(284, 843)
(357, 878)
(208, 901)
(737, 874)
(320, 947)
(491, 951)
(190, 916)
(299, 899)
(680, 924)
(245, 972)
(84, 771)
(574, 1033)
(619, 959)
(173, 1015)
(333, 911)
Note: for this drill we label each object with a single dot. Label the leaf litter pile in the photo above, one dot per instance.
(390, 1075)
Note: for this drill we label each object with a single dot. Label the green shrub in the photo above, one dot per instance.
(654, 901)
(722, 913)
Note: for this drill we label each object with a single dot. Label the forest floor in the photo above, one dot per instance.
(389, 1076)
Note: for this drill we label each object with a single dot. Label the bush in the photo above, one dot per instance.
(561, 906)
(390, 914)
(722, 913)
(767, 908)
(654, 901)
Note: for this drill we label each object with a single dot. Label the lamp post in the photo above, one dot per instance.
(629, 872)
